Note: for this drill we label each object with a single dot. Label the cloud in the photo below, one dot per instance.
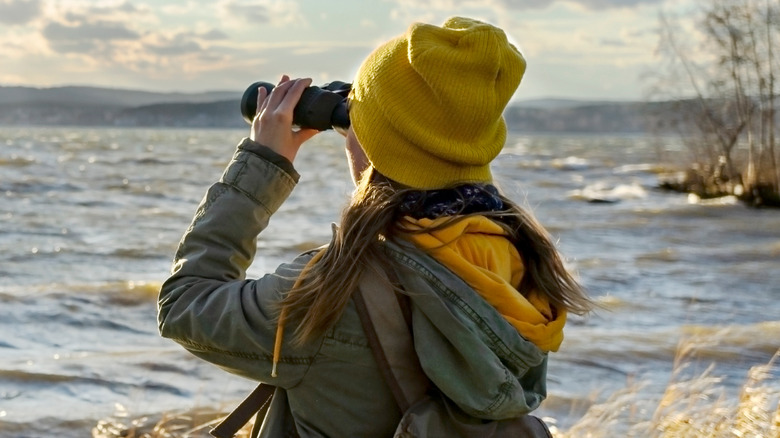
(115, 34)
(116, 12)
(247, 12)
(613, 42)
(606, 4)
(180, 8)
(84, 31)
(123, 36)
(174, 48)
(93, 28)
(85, 37)
(213, 35)
(181, 43)
(589, 4)
(18, 12)
(526, 4)
(451, 5)
(275, 13)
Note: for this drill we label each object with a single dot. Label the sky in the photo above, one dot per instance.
(578, 49)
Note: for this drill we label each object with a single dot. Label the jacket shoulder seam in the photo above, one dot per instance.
(297, 360)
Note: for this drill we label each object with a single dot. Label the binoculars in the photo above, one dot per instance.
(319, 108)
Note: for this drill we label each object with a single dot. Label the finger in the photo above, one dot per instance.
(283, 79)
(293, 95)
(262, 93)
(278, 93)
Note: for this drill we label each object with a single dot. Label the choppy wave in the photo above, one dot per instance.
(571, 163)
(666, 255)
(723, 200)
(723, 343)
(38, 186)
(17, 161)
(607, 193)
(133, 290)
(655, 169)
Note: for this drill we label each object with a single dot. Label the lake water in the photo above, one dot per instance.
(90, 219)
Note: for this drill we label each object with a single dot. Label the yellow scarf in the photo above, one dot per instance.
(477, 250)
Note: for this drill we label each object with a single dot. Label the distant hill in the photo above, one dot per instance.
(583, 117)
(105, 96)
(558, 103)
(220, 114)
(90, 106)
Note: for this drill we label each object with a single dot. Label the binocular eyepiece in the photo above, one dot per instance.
(319, 108)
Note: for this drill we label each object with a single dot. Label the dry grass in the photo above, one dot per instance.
(191, 424)
(690, 407)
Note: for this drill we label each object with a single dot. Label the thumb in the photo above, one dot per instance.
(302, 135)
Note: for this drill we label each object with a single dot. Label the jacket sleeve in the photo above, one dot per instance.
(207, 305)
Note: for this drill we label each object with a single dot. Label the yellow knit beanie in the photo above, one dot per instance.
(427, 106)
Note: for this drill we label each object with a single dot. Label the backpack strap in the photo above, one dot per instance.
(382, 316)
(385, 318)
(257, 402)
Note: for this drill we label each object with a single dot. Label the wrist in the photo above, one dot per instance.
(268, 154)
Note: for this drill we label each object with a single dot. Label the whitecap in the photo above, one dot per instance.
(602, 192)
(723, 200)
(571, 163)
(636, 168)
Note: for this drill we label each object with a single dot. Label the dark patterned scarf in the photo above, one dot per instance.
(461, 200)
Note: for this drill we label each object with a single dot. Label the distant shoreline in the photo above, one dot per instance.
(597, 119)
(86, 106)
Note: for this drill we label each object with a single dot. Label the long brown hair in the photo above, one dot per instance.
(372, 215)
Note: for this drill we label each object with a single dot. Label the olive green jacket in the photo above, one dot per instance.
(333, 386)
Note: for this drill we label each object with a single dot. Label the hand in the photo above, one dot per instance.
(272, 125)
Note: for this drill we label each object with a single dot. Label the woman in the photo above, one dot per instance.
(488, 291)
